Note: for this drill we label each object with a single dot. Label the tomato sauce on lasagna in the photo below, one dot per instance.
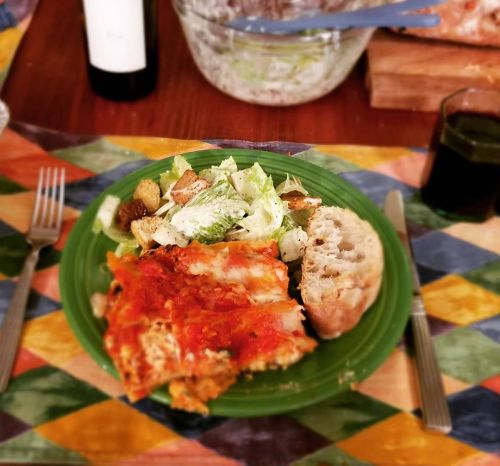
(197, 317)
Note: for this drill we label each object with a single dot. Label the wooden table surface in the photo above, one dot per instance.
(48, 86)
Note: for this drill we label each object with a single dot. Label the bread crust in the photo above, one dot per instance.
(188, 186)
(468, 21)
(341, 270)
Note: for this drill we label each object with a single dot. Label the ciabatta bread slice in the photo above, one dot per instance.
(341, 270)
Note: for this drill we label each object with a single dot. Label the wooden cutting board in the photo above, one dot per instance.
(406, 72)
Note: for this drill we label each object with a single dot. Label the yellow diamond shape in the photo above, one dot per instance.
(158, 148)
(394, 382)
(366, 156)
(9, 40)
(401, 439)
(106, 432)
(457, 300)
(20, 217)
(51, 338)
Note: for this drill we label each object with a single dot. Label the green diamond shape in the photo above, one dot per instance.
(31, 447)
(98, 156)
(421, 214)
(13, 252)
(344, 415)
(488, 276)
(46, 393)
(468, 355)
(9, 187)
(3, 75)
(329, 456)
(330, 162)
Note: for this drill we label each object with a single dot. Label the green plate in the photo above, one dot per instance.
(331, 368)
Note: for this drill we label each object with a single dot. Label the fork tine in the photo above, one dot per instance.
(61, 198)
(53, 198)
(38, 197)
(46, 186)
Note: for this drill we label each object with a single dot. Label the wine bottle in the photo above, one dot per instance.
(122, 47)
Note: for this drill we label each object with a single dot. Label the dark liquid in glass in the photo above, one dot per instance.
(458, 184)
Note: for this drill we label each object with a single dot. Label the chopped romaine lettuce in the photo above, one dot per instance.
(168, 178)
(105, 222)
(289, 223)
(251, 182)
(171, 212)
(119, 236)
(289, 185)
(229, 165)
(240, 205)
(167, 234)
(292, 244)
(222, 172)
(301, 217)
(165, 207)
(266, 211)
(124, 248)
(211, 213)
(106, 213)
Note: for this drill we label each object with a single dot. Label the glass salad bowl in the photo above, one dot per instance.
(270, 69)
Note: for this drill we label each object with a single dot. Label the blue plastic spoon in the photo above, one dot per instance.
(391, 15)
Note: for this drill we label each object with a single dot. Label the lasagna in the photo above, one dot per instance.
(196, 317)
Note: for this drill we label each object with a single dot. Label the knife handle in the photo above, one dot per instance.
(434, 404)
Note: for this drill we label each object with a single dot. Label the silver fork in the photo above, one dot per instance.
(44, 231)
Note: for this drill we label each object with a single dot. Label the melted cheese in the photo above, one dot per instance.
(262, 275)
(197, 316)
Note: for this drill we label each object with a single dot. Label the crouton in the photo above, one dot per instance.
(188, 186)
(298, 201)
(148, 192)
(143, 230)
(130, 211)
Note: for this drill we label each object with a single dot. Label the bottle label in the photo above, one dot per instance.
(115, 34)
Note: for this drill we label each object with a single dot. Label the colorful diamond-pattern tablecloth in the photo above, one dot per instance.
(15, 17)
(62, 408)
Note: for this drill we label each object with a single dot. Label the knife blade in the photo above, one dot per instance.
(435, 410)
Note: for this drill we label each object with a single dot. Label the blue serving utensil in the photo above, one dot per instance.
(398, 15)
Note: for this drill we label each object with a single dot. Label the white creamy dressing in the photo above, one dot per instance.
(190, 219)
(167, 234)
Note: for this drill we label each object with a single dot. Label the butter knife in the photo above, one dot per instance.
(434, 405)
